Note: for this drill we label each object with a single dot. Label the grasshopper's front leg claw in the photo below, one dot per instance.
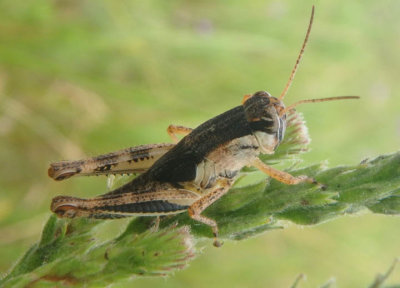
(292, 180)
(194, 213)
(321, 186)
(313, 181)
(305, 178)
(216, 242)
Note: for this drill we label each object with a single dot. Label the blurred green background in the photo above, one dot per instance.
(80, 78)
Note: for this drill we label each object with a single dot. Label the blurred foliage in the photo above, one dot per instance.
(88, 77)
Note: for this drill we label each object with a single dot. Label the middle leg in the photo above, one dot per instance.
(200, 205)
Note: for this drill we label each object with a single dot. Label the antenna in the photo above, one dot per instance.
(316, 100)
(299, 57)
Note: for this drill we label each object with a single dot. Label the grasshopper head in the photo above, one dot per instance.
(265, 117)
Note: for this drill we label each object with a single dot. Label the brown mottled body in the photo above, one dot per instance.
(190, 175)
(193, 173)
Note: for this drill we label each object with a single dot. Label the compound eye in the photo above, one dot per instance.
(262, 94)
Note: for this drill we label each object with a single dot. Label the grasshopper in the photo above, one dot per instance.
(190, 174)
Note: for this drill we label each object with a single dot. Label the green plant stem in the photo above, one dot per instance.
(68, 252)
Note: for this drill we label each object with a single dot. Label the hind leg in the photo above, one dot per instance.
(200, 205)
(163, 200)
(127, 161)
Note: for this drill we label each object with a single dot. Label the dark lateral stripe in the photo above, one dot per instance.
(108, 216)
(251, 147)
(156, 206)
(262, 125)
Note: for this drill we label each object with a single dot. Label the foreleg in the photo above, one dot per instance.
(282, 176)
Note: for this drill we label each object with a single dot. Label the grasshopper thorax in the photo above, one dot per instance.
(265, 117)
